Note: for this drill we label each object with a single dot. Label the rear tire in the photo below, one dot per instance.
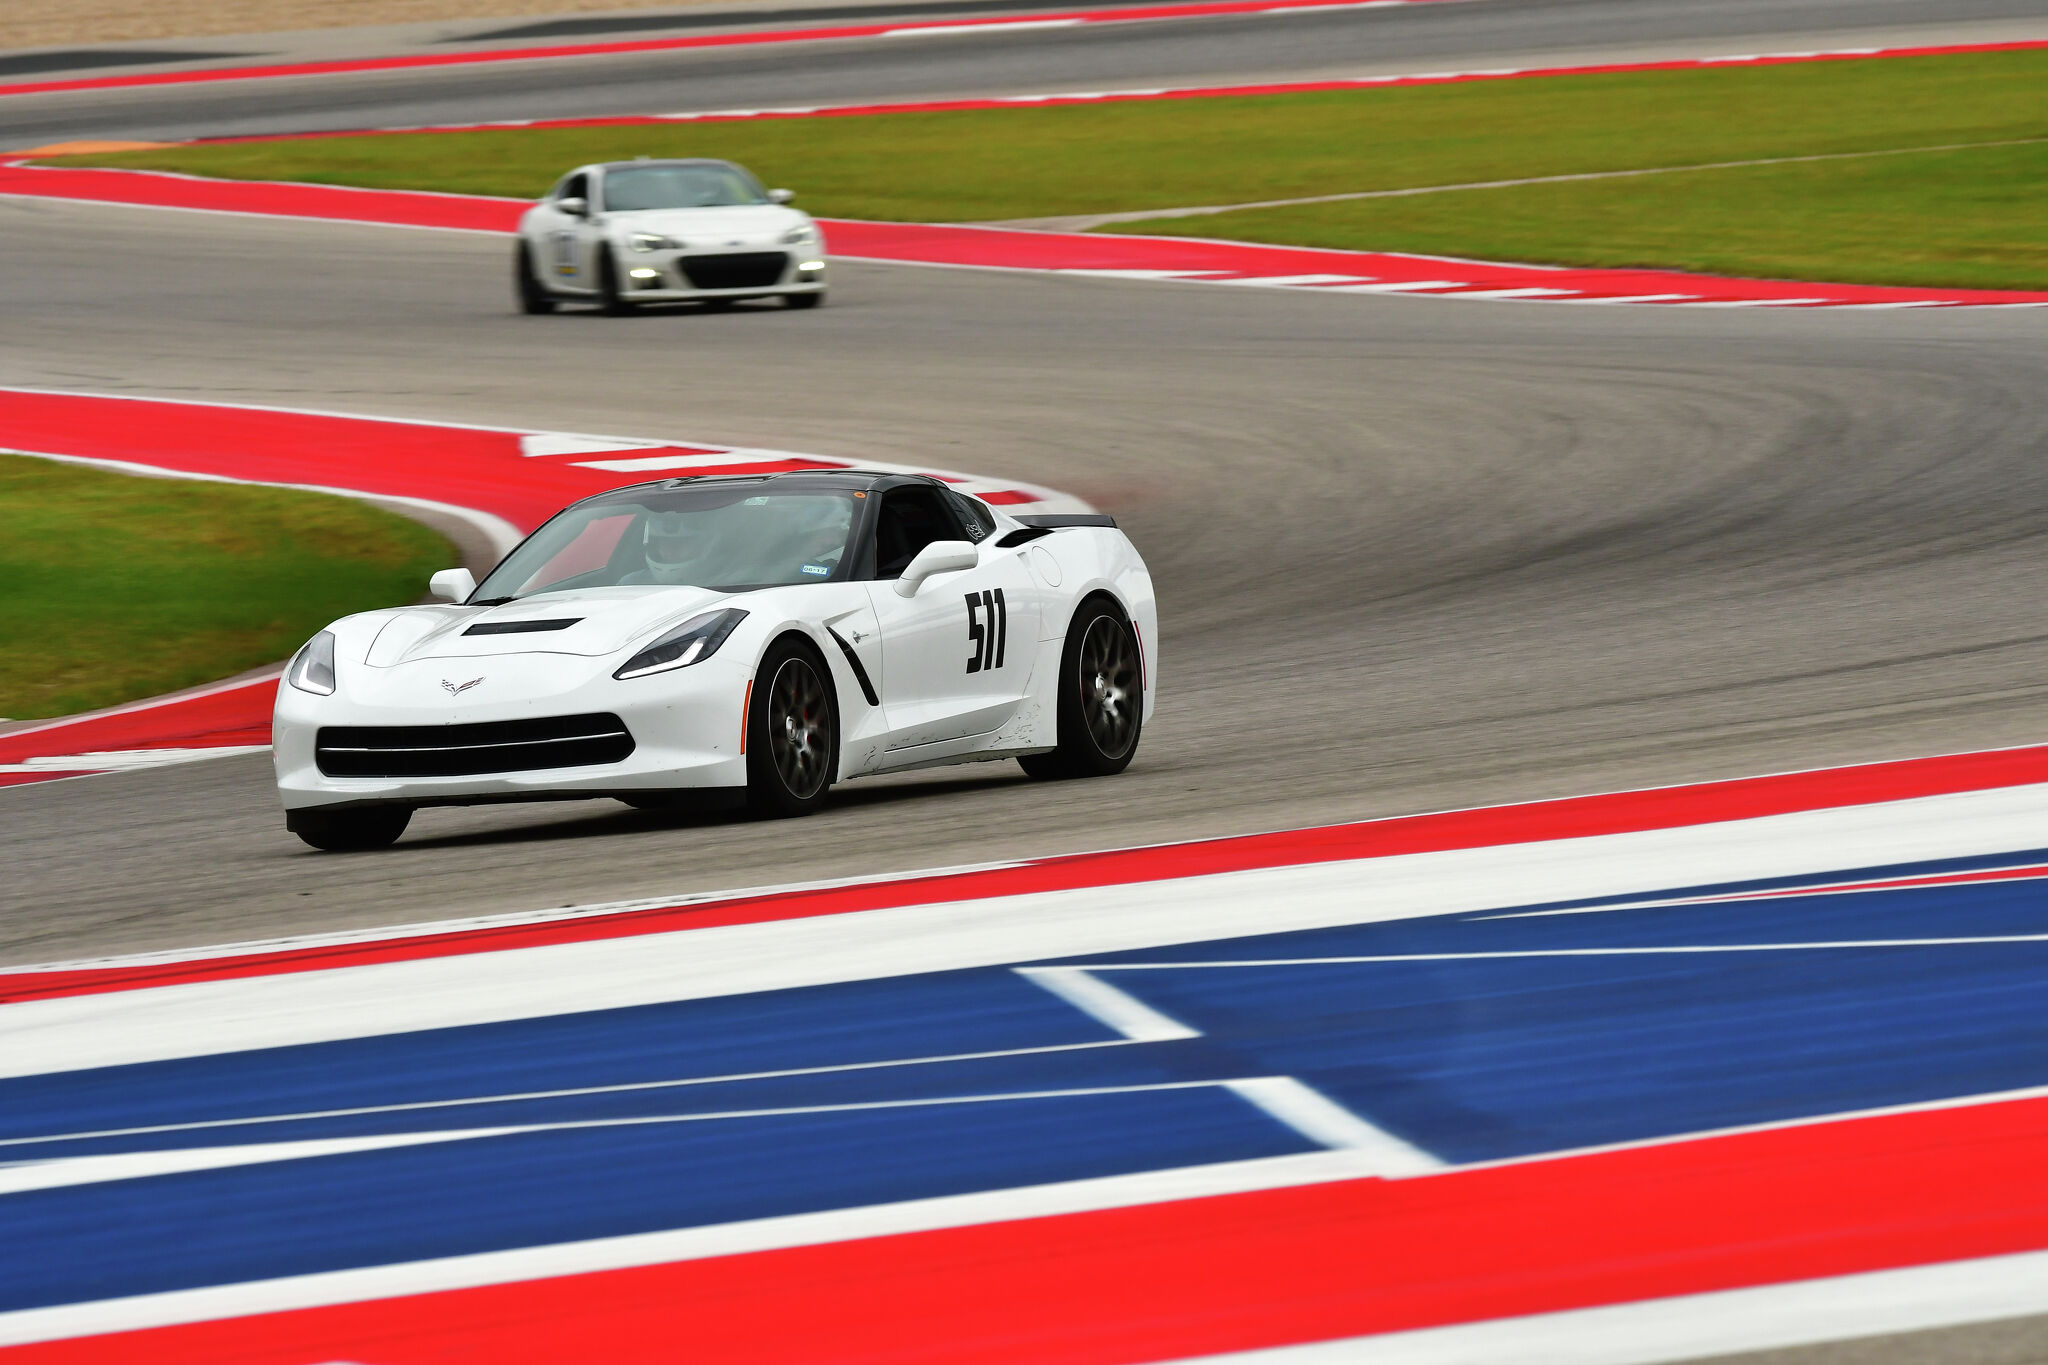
(792, 732)
(803, 300)
(526, 289)
(610, 301)
(349, 831)
(1101, 697)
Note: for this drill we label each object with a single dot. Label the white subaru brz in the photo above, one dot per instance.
(626, 233)
(740, 639)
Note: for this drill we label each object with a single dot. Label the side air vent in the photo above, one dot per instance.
(1023, 537)
(505, 746)
(520, 627)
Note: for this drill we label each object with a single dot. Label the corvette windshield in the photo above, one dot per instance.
(728, 538)
(679, 187)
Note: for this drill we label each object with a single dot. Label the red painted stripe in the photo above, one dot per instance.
(1138, 14)
(391, 208)
(1576, 817)
(1234, 1272)
(1141, 96)
(239, 715)
(23, 779)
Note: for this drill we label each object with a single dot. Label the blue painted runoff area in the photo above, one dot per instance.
(710, 1111)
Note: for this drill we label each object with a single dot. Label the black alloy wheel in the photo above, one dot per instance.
(532, 297)
(1101, 697)
(793, 733)
(349, 831)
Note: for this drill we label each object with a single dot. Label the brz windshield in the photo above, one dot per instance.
(733, 539)
(679, 187)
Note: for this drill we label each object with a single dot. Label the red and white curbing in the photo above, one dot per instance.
(504, 481)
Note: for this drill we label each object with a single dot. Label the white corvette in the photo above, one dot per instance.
(630, 232)
(735, 639)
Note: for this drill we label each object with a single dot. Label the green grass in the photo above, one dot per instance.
(114, 587)
(1869, 221)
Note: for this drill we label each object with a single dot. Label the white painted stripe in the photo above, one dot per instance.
(684, 1244)
(653, 462)
(199, 1018)
(1631, 298)
(1284, 281)
(1397, 287)
(551, 443)
(1104, 1003)
(97, 1170)
(1769, 1317)
(516, 1097)
(1530, 293)
(1132, 274)
(128, 760)
(1320, 1119)
(1752, 303)
(976, 30)
(1646, 951)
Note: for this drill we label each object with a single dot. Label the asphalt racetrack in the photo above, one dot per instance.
(1412, 554)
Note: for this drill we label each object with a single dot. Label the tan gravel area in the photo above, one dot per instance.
(25, 23)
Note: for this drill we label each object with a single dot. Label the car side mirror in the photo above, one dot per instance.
(452, 585)
(941, 556)
(781, 196)
(574, 207)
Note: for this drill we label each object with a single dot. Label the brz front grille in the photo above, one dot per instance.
(504, 746)
(740, 270)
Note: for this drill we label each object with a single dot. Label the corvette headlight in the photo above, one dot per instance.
(802, 233)
(651, 241)
(313, 670)
(692, 642)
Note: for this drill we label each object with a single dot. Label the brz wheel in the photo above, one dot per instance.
(349, 831)
(610, 301)
(525, 288)
(1101, 697)
(792, 732)
(803, 300)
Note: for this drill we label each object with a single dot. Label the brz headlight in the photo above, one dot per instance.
(313, 670)
(692, 642)
(803, 233)
(652, 241)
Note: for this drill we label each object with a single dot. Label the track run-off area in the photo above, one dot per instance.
(973, 1068)
(1617, 1079)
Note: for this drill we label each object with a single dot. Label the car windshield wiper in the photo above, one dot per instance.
(491, 601)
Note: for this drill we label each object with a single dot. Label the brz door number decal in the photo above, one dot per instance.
(988, 641)
(565, 252)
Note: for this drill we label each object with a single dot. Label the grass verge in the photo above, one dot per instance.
(114, 587)
(988, 165)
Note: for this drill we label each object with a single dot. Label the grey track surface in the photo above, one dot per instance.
(1355, 42)
(1412, 553)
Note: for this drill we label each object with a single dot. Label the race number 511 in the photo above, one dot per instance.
(987, 640)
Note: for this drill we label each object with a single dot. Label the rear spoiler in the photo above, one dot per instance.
(1056, 521)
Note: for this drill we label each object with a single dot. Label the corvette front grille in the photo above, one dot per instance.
(739, 270)
(503, 746)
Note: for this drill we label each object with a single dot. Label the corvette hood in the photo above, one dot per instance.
(594, 622)
(746, 224)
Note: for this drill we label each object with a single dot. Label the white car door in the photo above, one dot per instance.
(957, 656)
(563, 246)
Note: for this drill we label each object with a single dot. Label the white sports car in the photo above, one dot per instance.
(728, 639)
(630, 232)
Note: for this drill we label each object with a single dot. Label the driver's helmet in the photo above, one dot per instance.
(669, 543)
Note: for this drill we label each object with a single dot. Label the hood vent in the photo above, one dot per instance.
(520, 627)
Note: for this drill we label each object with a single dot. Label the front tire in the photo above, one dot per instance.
(610, 301)
(1101, 697)
(792, 732)
(349, 831)
(526, 289)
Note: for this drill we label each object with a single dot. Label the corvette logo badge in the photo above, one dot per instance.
(456, 689)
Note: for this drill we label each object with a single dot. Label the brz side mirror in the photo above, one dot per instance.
(781, 196)
(941, 556)
(574, 207)
(452, 585)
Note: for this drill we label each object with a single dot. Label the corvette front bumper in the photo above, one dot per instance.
(686, 726)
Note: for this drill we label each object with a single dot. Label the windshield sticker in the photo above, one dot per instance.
(818, 570)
